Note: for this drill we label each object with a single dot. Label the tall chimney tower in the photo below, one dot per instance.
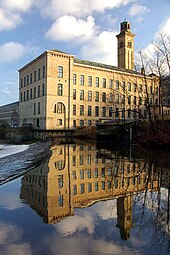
(125, 46)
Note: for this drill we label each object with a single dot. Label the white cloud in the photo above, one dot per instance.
(9, 201)
(102, 48)
(10, 12)
(75, 223)
(8, 20)
(138, 9)
(19, 5)
(68, 28)
(78, 8)
(164, 28)
(9, 232)
(12, 51)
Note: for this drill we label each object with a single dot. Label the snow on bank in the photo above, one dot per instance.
(15, 160)
(8, 149)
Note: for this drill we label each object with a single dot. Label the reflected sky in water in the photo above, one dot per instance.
(49, 211)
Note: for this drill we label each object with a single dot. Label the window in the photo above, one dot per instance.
(27, 94)
(89, 123)
(103, 172)
(97, 81)
(74, 190)
(81, 159)
(89, 174)
(81, 110)
(60, 200)
(129, 99)
(141, 87)
(74, 123)
(60, 89)
(43, 75)
(97, 96)
(110, 84)
(81, 123)
(89, 110)
(96, 186)
(24, 81)
(140, 100)
(60, 108)
(74, 93)
(21, 83)
(104, 111)
(35, 76)
(34, 92)
(31, 78)
(110, 111)
(117, 98)
(38, 90)
(38, 107)
(117, 85)
(21, 97)
(135, 87)
(96, 111)
(89, 80)
(81, 94)
(60, 181)
(27, 79)
(59, 122)
(104, 82)
(150, 101)
(103, 97)
(81, 174)
(74, 78)
(117, 112)
(89, 159)
(123, 85)
(74, 160)
(74, 109)
(30, 93)
(110, 97)
(89, 187)
(60, 72)
(123, 99)
(34, 108)
(134, 100)
(81, 79)
(74, 175)
(129, 113)
(103, 185)
(96, 173)
(89, 95)
(82, 188)
(39, 74)
(43, 89)
(129, 86)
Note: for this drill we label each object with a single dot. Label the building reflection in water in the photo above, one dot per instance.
(76, 176)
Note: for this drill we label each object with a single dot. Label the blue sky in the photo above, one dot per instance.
(84, 28)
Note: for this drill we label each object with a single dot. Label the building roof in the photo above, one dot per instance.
(105, 66)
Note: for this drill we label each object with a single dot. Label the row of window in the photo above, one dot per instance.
(33, 77)
(104, 111)
(33, 93)
(117, 98)
(117, 86)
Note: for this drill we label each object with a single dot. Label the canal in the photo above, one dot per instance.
(84, 199)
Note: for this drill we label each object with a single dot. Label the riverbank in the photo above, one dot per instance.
(20, 161)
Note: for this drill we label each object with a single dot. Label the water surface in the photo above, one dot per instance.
(84, 200)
